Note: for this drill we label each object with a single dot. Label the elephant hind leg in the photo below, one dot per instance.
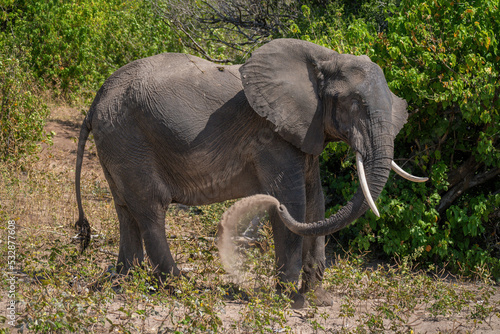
(131, 252)
(152, 226)
(141, 204)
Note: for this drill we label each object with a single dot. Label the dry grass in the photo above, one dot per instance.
(59, 290)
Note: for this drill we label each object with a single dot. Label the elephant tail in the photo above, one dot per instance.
(82, 225)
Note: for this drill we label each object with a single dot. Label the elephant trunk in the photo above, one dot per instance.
(376, 168)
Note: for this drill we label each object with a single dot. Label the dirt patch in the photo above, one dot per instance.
(65, 123)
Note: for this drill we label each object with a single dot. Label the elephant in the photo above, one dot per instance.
(175, 128)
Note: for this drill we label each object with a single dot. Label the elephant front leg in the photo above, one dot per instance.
(313, 249)
(288, 250)
(313, 266)
(282, 174)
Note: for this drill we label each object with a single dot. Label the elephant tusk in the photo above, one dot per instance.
(364, 184)
(406, 175)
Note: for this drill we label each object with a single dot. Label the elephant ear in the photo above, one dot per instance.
(399, 113)
(281, 82)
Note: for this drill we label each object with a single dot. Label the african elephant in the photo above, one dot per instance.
(174, 128)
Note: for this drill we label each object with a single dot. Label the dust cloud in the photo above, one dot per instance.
(238, 227)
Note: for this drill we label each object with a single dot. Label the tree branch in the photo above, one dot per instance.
(198, 48)
(469, 181)
(240, 25)
(460, 174)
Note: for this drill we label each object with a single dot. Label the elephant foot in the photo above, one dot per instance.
(321, 297)
(167, 278)
(108, 275)
(298, 301)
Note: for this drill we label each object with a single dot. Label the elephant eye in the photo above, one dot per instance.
(354, 106)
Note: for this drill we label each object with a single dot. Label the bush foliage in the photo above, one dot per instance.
(73, 46)
(70, 48)
(441, 56)
(22, 112)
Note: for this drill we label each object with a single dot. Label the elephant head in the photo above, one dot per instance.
(313, 96)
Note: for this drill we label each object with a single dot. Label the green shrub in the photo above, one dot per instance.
(22, 112)
(69, 47)
(75, 45)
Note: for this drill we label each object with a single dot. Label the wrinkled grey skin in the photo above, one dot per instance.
(174, 128)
